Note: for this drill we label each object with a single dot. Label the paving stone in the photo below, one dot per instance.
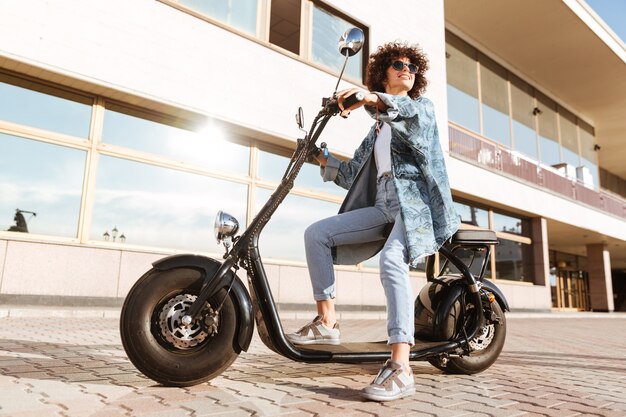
(50, 371)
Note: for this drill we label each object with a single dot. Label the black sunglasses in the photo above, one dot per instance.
(399, 66)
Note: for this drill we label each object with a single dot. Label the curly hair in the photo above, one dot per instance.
(381, 59)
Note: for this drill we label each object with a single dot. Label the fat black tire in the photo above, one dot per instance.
(159, 359)
(478, 361)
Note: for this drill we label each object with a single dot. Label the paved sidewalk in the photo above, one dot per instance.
(551, 365)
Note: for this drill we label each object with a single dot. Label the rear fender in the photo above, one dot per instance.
(209, 267)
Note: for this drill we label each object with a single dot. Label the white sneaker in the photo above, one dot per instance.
(391, 383)
(315, 333)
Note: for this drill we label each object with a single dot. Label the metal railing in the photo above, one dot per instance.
(479, 151)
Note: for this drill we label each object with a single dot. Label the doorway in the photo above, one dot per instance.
(570, 290)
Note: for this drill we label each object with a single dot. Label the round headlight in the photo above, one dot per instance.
(225, 226)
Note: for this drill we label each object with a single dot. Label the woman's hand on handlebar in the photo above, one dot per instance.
(370, 99)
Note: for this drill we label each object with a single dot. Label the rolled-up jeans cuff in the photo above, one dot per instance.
(323, 297)
(401, 339)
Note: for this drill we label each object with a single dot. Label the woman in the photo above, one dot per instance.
(398, 200)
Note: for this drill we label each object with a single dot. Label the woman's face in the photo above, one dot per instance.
(399, 82)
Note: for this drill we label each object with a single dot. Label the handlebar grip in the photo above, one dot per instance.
(353, 99)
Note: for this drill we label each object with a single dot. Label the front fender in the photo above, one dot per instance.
(498, 293)
(209, 267)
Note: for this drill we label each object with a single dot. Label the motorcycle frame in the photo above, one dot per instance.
(245, 253)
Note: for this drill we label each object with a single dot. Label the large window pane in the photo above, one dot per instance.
(569, 137)
(495, 102)
(472, 215)
(283, 237)
(523, 103)
(327, 29)
(238, 13)
(42, 178)
(510, 261)
(161, 207)
(503, 223)
(206, 148)
(285, 24)
(548, 136)
(588, 152)
(272, 167)
(42, 107)
(462, 76)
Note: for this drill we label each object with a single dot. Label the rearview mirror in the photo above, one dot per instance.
(351, 42)
(300, 118)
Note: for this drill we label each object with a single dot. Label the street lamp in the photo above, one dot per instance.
(113, 236)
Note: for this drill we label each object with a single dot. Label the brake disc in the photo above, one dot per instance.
(483, 339)
(178, 334)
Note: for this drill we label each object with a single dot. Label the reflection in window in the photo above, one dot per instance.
(569, 137)
(472, 215)
(548, 134)
(42, 178)
(206, 148)
(513, 261)
(162, 207)
(237, 13)
(473, 258)
(462, 77)
(327, 28)
(588, 153)
(34, 105)
(283, 237)
(495, 102)
(523, 103)
(271, 167)
(508, 224)
(285, 24)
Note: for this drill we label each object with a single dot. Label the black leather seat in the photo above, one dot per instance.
(475, 237)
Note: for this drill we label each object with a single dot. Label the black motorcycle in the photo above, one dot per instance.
(186, 319)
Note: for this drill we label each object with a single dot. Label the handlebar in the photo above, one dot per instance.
(333, 105)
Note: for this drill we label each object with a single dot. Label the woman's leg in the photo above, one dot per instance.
(394, 275)
(362, 225)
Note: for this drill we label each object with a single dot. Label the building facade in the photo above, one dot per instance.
(125, 126)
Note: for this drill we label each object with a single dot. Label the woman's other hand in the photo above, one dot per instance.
(370, 99)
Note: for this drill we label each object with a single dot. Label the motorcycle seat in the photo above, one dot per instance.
(474, 237)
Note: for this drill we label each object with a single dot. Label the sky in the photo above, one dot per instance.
(613, 12)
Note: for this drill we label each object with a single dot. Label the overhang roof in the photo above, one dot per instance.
(564, 49)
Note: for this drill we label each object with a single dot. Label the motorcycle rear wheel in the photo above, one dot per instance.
(486, 348)
(157, 342)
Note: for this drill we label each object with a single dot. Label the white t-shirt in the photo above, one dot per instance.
(382, 150)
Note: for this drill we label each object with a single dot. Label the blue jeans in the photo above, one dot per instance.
(366, 225)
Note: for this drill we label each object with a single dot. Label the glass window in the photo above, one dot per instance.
(495, 101)
(548, 135)
(513, 261)
(237, 13)
(462, 76)
(162, 207)
(523, 103)
(206, 148)
(327, 29)
(588, 152)
(283, 237)
(42, 107)
(569, 137)
(272, 168)
(472, 215)
(474, 259)
(42, 178)
(285, 24)
(503, 223)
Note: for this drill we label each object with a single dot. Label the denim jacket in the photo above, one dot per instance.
(419, 175)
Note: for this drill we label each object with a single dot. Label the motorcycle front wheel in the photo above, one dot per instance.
(157, 341)
(484, 348)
